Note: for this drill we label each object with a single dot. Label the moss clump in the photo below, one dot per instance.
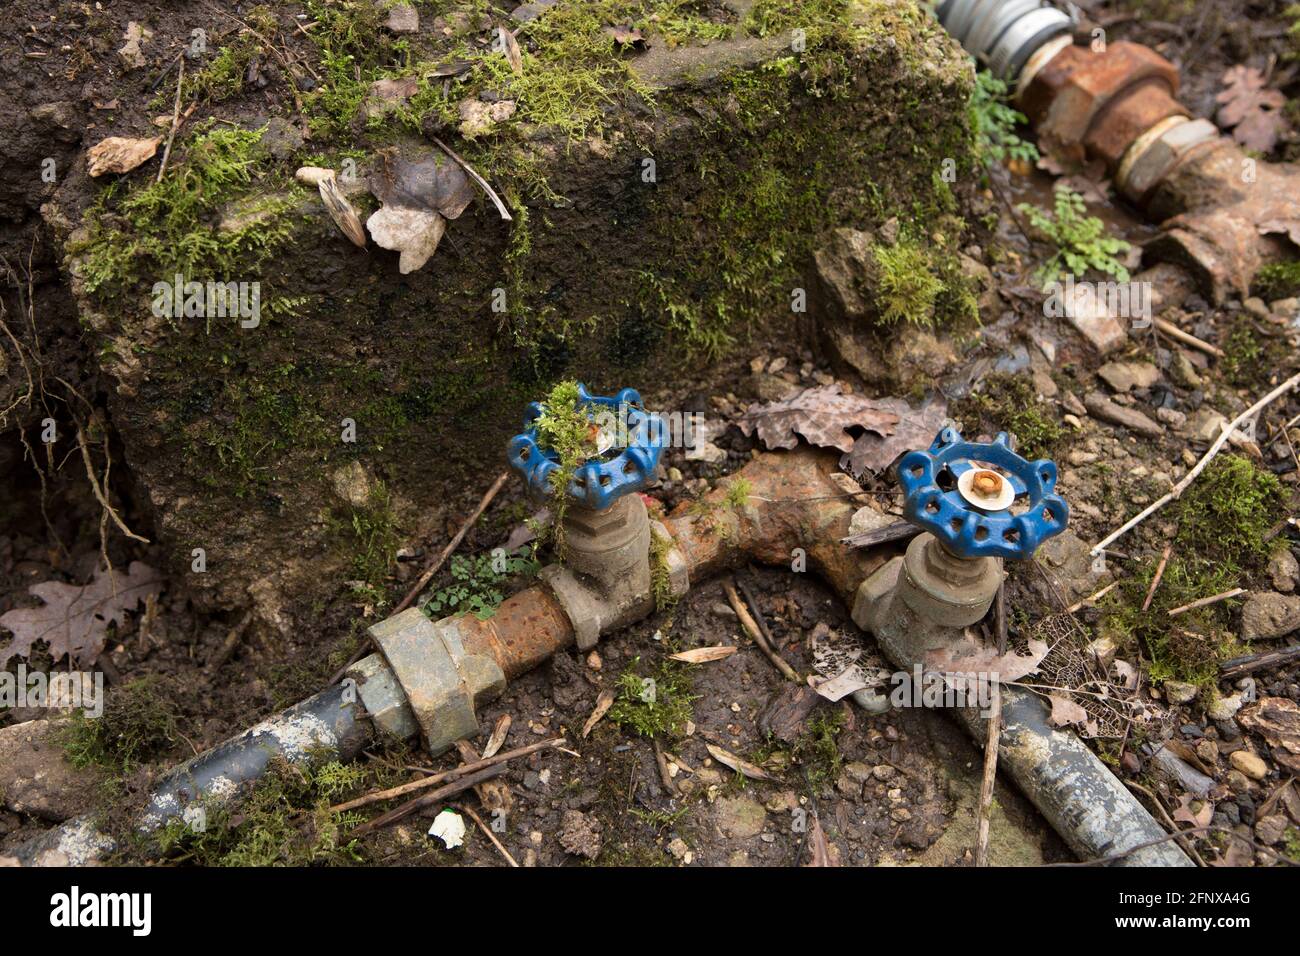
(374, 537)
(224, 75)
(1280, 280)
(818, 751)
(284, 821)
(738, 492)
(137, 725)
(566, 431)
(1225, 514)
(654, 704)
(660, 580)
(1222, 521)
(1250, 356)
(1009, 403)
(907, 288)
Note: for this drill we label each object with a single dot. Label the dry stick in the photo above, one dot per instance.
(1254, 662)
(473, 174)
(1160, 573)
(428, 799)
(1174, 332)
(414, 785)
(1168, 821)
(990, 776)
(359, 653)
(1079, 605)
(1227, 430)
(454, 543)
(176, 121)
(231, 642)
(1212, 599)
(487, 831)
(756, 612)
(755, 634)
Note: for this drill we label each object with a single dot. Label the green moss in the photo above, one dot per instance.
(137, 724)
(1009, 403)
(738, 492)
(223, 75)
(374, 537)
(660, 579)
(1222, 520)
(818, 751)
(907, 288)
(657, 703)
(284, 821)
(1249, 355)
(1279, 280)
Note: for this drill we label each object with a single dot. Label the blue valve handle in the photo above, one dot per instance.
(596, 484)
(964, 529)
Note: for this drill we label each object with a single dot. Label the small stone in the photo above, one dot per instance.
(900, 814)
(1256, 307)
(723, 611)
(1270, 829)
(1101, 407)
(1208, 751)
(1183, 372)
(679, 850)
(674, 474)
(1171, 417)
(883, 772)
(594, 661)
(353, 484)
(130, 53)
(580, 834)
(1224, 708)
(1284, 570)
(1177, 692)
(1267, 614)
(403, 18)
(1237, 781)
(1204, 424)
(740, 817)
(1249, 764)
(1126, 376)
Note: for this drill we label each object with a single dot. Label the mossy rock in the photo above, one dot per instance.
(607, 274)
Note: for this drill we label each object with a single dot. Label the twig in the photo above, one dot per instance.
(1079, 605)
(428, 799)
(990, 777)
(176, 122)
(487, 831)
(1254, 662)
(454, 543)
(455, 772)
(756, 612)
(359, 653)
(1212, 599)
(231, 642)
(1160, 573)
(1174, 332)
(748, 623)
(492, 194)
(661, 762)
(1187, 479)
(890, 532)
(1187, 846)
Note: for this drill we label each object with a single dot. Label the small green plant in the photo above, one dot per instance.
(1278, 280)
(994, 122)
(566, 430)
(476, 584)
(654, 704)
(374, 534)
(818, 751)
(1080, 240)
(738, 492)
(907, 288)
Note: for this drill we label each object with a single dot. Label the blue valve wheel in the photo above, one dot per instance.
(597, 483)
(965, 505)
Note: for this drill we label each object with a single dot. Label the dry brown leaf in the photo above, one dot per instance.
(341, 211)
(703, 655)
(499, 731)
(1183, 813)
(512, 51)
(74, 620)
(824, 853)
(916, 428)
(389, 94)
(430, 182)
(121, 154)
(604, 701)
(626, 36)
(971, 656)
(1066, 712)
(822, 415)
(415, 233)
(738, 764)
(1253, 112)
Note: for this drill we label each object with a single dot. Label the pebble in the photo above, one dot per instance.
(1269, 830)
(1224, 708)
(1249, 764)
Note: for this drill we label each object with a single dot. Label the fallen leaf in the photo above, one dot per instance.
(703, 655)
(121, 154)
(1253, 112)
(513, 54)
(916, 428)
(1183, 813)
(971, 656)
(478, 118)
(738, 764)
(822, 415)
(626, 36)
(450, 68)
(1066, 712)
(823, 852)
(498, 737)
(604, 701)
(386, 94)
(427, 182)
(449, 827)
(840, 686)
(74, 620)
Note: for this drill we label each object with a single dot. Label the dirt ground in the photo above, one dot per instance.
(896, 789)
